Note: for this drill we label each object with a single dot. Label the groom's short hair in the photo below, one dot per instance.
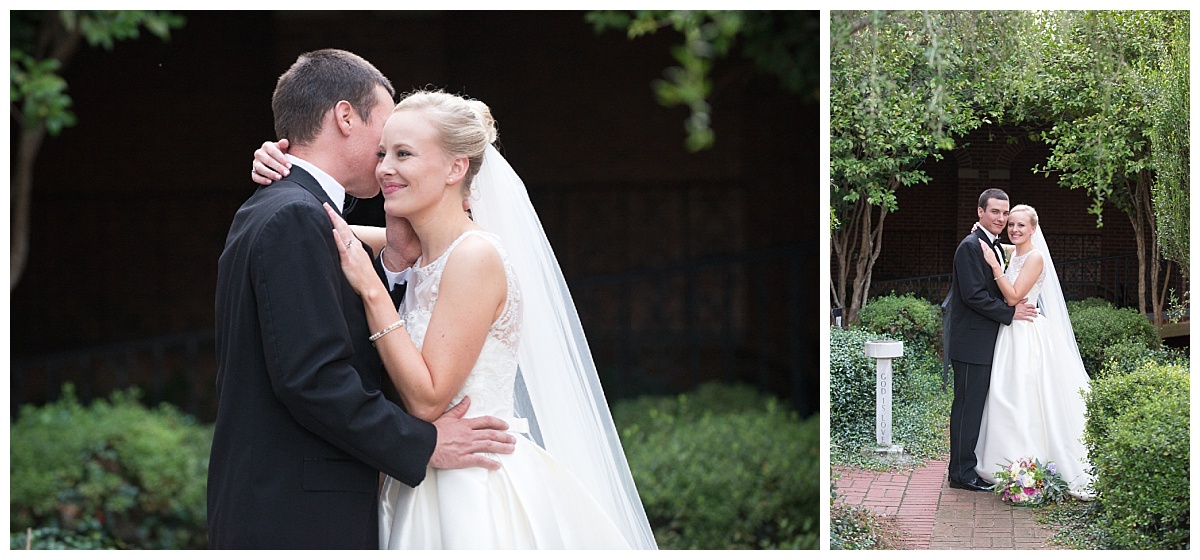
(316, 82)
(990, 194)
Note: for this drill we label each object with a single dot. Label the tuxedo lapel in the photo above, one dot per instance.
(979, 233)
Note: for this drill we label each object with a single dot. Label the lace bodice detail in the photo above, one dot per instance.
(1015, 264)
(491, 381)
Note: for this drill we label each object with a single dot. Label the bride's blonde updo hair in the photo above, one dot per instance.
(465, 126)
(1033, 219)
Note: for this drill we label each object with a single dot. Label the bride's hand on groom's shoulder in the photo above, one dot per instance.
(270, 164)
(356, 263)
(988, 254)
(461, 441)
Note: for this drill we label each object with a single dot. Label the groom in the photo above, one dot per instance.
(976, 310)
(303, 430)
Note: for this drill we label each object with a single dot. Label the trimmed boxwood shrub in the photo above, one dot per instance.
(1124, 357)
(1087, 303)
(1137, 436)
(920, 409)
(1110, 397)
(113, 472)
(706, 398)
(907, 318)
(729, 477)
(86, 536)
(1141, 460)
(1098, 325)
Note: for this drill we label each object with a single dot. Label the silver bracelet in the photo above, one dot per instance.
(389, 329)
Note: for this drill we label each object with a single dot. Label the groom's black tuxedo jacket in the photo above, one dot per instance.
(302, 428)
(976, 305)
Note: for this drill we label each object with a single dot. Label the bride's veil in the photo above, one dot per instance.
(1053, 303)
(561, 393)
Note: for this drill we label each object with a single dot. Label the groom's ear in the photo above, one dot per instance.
(342, 115)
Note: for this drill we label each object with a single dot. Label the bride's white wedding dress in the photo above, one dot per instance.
(532, 501)
(1034, 406)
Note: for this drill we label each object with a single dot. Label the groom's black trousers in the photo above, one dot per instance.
(966, 412)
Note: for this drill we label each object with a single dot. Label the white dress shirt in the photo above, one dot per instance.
(991, 241)
(396, 280)
(335, 190)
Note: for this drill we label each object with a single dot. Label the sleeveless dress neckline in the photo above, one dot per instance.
(532, 501)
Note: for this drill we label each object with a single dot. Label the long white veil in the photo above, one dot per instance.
(1053, 303)
(561, 393)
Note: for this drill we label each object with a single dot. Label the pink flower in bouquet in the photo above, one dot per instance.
(1027, 481)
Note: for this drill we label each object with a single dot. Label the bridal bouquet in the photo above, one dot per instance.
(1029, 482)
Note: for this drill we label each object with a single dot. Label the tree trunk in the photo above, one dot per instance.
(58, 42)
(845, 249)
(859, 243)
(1141, 216)
(872, 246)
(1157, 295)
(21, 198)
(1139, 238)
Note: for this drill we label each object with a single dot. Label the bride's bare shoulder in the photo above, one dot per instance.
(475, 256)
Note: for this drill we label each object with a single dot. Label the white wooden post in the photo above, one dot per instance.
(883, 351)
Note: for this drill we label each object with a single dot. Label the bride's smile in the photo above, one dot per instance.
(1019, 229)
(413, 168)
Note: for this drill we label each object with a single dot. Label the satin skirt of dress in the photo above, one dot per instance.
(1035, 406)
(531, 502)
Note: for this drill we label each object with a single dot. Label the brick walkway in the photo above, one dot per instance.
(934, 516)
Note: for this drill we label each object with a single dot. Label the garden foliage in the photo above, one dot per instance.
(1099, 325)
(920, 409)
(110, 474)
(723, 467)
(1124, 357)
(913, 320)
(1137, 437)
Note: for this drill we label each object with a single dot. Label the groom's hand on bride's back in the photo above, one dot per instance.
(460, 441)
(1025, 311)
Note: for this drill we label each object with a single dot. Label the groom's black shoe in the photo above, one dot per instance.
(976, 485)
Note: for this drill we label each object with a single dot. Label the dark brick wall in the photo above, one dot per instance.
(131, 207)
(919, 239)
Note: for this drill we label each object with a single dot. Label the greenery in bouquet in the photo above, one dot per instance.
(1029, 482)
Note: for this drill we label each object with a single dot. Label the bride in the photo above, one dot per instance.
(486, 313)
(1035, 405)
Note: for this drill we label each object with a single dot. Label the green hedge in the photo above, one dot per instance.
(1110, 397)
(89, 535)
(724, 473)
(1137, 436)
(920, 409)
(1098, 325)
(1124, 357)
(907, 318)
(110, 473)
(1087, 303)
